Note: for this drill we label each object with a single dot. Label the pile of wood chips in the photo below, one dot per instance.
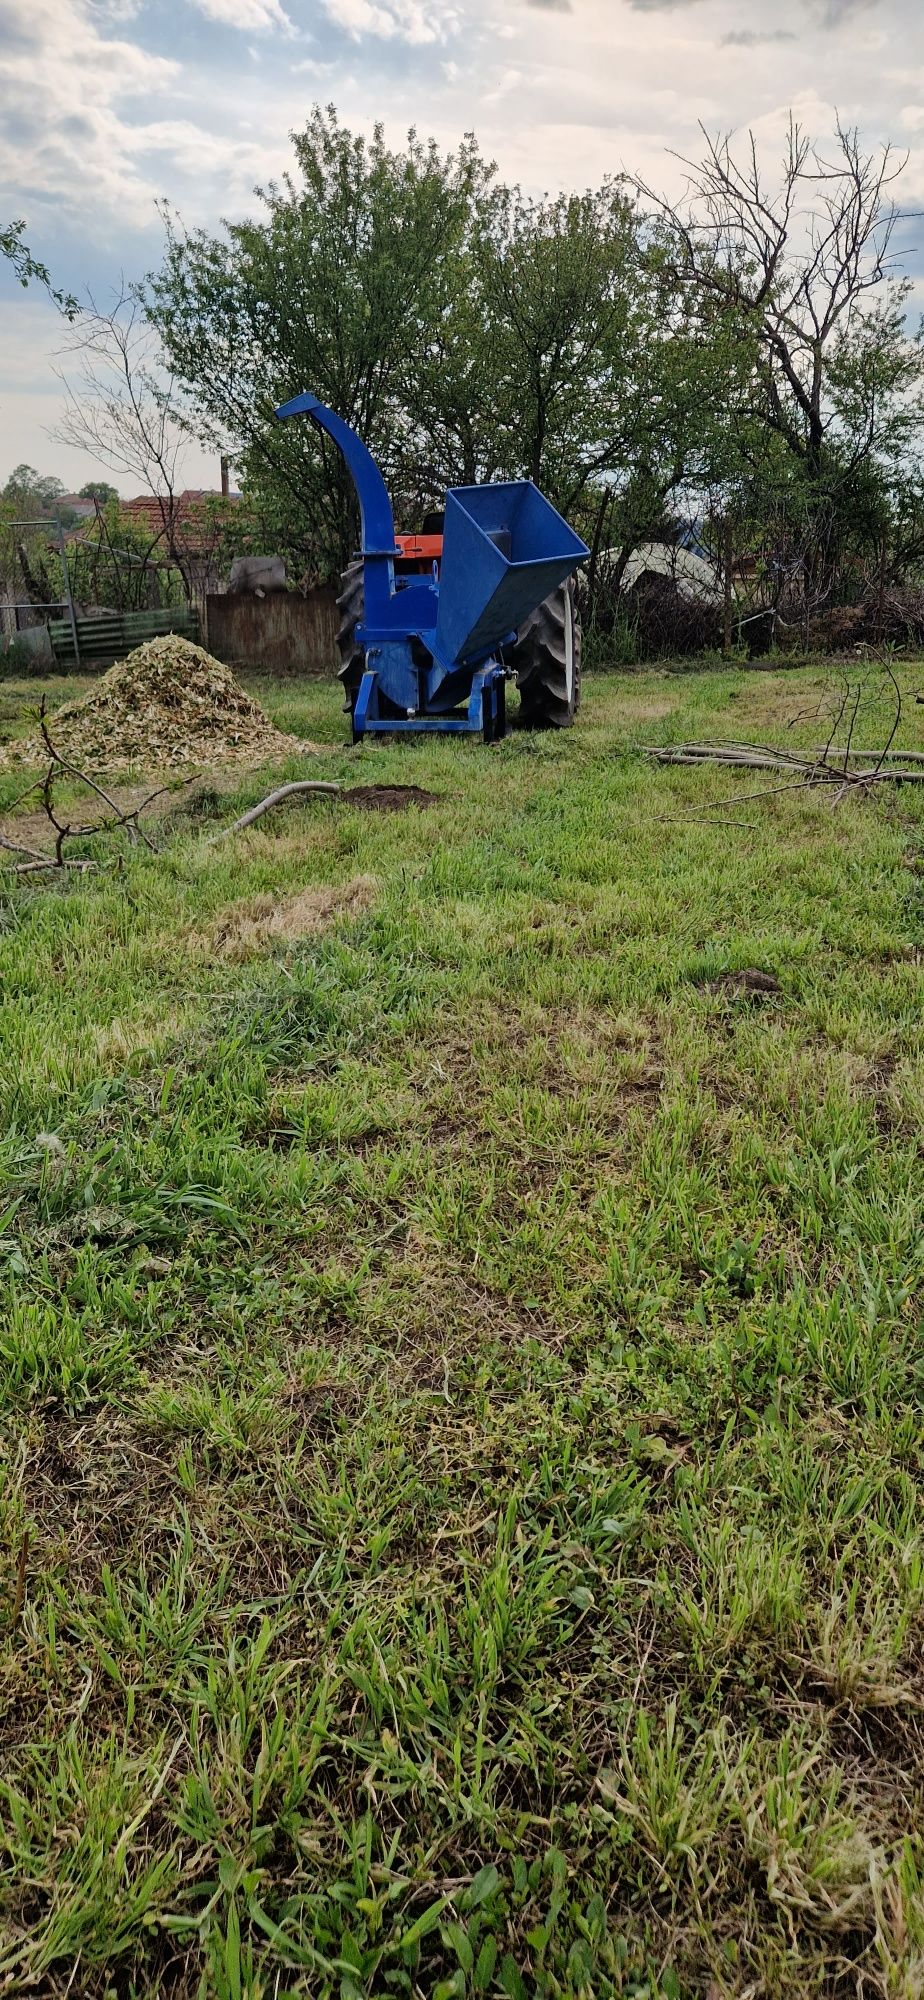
(168, 706)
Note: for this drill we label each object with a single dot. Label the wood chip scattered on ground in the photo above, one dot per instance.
(168, 706)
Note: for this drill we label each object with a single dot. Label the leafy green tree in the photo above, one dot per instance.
(337, 287)
(98, 489)
(557, 281)
(29, 269)
(31, 490)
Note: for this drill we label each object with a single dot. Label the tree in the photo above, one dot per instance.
(29, 270)
(118, 403)
(558, 280)
(33, 491)
(807, 271)
(519, 376)
(799, 264)
(98, 489)
(120, 406)
(338, 287)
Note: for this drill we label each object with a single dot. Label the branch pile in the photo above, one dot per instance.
(847, 769)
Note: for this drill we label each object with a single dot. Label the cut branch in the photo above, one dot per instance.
(300, 785)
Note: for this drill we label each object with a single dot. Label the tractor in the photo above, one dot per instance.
(434, 625)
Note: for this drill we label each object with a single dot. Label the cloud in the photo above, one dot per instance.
(752, 38)
(252, 16)
(414, 21)
(828, 13)
(551, 6)
(83, 73)
(17, 31)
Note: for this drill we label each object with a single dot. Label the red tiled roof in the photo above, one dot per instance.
(158, 514)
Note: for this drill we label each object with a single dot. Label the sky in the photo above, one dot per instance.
(107, 106)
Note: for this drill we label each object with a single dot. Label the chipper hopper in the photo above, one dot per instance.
(434, 625)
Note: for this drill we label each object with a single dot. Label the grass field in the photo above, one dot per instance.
(461, 1383)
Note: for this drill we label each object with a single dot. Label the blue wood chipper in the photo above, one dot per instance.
(433, 627)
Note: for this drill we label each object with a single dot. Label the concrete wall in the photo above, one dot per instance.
(282, 633)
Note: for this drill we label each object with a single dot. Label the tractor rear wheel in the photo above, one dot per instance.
(351, 604)
(547, 662)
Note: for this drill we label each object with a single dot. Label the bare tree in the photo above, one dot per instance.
(797, 264)
(120, 407)
(805, 267)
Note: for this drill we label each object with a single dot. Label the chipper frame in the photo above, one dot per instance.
(433, 646)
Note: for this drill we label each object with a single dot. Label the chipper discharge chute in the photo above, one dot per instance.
(434, 624)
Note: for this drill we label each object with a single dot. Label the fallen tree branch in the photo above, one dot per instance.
(274, 799)
(127, 819)
(809, 770)
(124, 817)
(17, 847)
(882, 756)
(50, 861)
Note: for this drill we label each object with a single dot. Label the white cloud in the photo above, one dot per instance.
(251, 15)
(415, 21)
(66, 141)
(114, 127)
(558, 97)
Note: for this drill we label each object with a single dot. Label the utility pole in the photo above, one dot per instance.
(727, 582)
(67, 592)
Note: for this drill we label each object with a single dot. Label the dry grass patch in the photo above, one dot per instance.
(258, 921)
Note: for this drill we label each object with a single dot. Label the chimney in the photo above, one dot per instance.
(225, 475)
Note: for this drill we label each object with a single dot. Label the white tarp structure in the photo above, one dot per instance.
(694, 576)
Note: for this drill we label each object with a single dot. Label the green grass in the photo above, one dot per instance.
(461, 1384)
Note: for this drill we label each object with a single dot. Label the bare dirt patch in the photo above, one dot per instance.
(262, 920)
(388, 798)
(751, 984)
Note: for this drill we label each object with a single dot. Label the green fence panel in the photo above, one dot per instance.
(102, 641)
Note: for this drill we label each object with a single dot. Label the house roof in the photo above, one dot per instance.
(186, 515)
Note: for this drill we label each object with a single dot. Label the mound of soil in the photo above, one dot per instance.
(168, 706)
(751, 984)
(388, 798)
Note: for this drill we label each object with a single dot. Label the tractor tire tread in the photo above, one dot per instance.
(540, 662)
(351, 604)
